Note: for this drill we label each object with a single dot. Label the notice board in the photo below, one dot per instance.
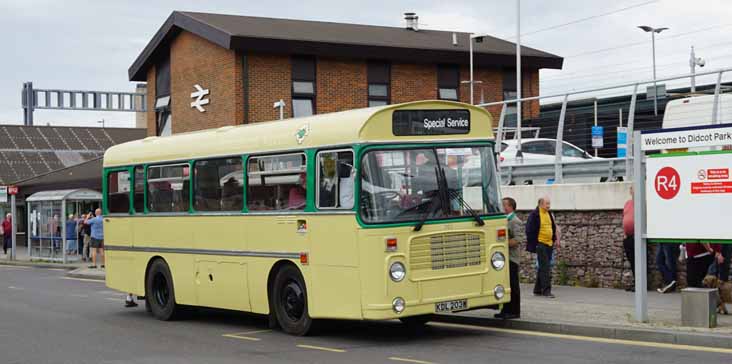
(689, 196)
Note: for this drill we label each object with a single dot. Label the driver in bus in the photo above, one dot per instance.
(296, 197)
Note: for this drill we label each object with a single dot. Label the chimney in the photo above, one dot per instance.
(412, 21)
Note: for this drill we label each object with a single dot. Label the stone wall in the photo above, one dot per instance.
(591, 252)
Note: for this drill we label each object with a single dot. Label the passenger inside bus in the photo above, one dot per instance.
(296, 197)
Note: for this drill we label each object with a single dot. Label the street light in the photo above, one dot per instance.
(653, 32)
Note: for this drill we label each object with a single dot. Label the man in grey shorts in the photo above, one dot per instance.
(97, 237)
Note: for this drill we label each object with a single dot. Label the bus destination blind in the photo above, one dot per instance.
(430, 122)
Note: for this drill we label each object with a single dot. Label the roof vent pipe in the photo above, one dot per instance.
(412, 21)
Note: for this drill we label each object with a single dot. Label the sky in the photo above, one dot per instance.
(90, 44)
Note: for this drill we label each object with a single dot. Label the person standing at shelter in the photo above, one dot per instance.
(629, 241)
(512, 310)
(541, 231)
(700, 257)
(7, 228)
(86, 236)
(71, 235)
(97, 237)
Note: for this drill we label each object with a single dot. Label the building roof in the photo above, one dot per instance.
(31, 151)
(343, 128)
(290, 36)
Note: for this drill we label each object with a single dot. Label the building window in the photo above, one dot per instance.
(218, 185)
(448, 82)
(139, 189)
(303, 86)
(509, 93)
(335, 180)
(379, 77)
(168, 188)
(118, 192)
(163, 117)
(276, 182)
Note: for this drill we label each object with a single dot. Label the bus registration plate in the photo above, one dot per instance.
(448, 306)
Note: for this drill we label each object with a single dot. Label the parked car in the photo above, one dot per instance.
(542, 151)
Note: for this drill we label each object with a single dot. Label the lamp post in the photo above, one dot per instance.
(653, 32)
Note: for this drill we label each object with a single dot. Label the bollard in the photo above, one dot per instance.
(699, 307)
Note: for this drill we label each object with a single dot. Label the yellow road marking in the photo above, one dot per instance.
(592, 339)
(240, 335)
(57, 269)
(410, 360)
(83, 279)
(332, 350)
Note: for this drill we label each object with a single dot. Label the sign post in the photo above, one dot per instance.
(597, 138)
(639, 214)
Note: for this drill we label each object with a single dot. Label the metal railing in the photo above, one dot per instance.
(601, 168)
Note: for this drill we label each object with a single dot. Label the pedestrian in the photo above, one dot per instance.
(97, 238)
(516, 229)
(725, 265)
(629, 241)
(78, 229)
(86, 233)
(7, 228)
(700, 257)
(541, 232)
(666, 258)
(71, 235)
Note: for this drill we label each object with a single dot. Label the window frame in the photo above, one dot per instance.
(299, 95)
(316, 201)
(308, 182)
(193, 185)
(105, 191)
(147, 187)
(440, 85)
(370, 81)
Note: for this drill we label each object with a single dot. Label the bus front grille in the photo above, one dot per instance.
(445, 251)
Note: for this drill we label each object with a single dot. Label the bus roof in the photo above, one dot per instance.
(365, 125)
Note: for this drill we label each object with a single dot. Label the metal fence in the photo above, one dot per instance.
(570, 117)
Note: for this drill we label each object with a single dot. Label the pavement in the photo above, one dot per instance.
(48, 317)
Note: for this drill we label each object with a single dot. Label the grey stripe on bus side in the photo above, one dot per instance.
(235, 253)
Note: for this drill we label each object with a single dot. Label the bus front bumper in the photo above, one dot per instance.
(415, 307)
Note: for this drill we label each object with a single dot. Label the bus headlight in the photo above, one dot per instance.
(398, 305)
(499, 292)
(397, 272)
(498, 260)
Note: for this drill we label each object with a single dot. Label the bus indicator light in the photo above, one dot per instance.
(303, 258)
(501, 234)
(391, 244)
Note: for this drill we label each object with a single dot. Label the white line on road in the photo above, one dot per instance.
(591, 339)
(394, 358)
(321, 348)
(16, 288)
(82, 279)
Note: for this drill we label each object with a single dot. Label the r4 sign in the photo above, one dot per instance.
(667, 183)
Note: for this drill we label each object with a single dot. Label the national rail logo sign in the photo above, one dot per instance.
(667, 183)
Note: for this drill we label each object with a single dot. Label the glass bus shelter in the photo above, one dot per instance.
(49, 218)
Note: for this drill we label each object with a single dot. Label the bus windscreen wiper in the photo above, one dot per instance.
(437, 202)
(456, 195)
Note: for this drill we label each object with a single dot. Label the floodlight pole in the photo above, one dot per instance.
(519, 155)
(470, 40)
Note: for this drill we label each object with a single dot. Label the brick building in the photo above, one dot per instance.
(244, 65)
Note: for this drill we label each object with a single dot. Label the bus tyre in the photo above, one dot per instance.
(416, 322)
(290, 301)
(159, 293)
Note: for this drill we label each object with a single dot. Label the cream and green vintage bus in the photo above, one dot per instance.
(388, 212)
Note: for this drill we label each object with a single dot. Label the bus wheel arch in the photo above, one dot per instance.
(287, 296)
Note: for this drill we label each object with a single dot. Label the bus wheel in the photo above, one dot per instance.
(416, 322)
(290, 301)
(159, 293)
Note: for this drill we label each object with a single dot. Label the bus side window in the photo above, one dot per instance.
(167, 188)
(118, 192)
(218, 184)
(139, 202)
(335, 180)
(276, 182)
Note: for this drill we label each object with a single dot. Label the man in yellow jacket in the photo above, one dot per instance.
(541, 233)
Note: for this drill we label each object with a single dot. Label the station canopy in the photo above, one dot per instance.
(69, 195)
